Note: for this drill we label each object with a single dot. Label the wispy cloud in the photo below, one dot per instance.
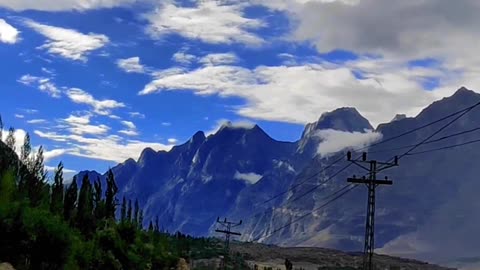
(81, 125)
(102, 107)
(68, 43)
(292, 93)
(137, 115)
(42, 83)
(37, 121)
(64, 5)
(8, 33)
(209, 21)
(333, 141)
(129, 132)
(110, 148)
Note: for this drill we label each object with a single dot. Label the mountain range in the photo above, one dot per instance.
(430, 212)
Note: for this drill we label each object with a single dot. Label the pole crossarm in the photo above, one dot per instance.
(372, 183)
(228, 233)
(232, 233)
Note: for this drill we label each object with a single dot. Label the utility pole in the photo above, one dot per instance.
(228, 225)
(372, 182)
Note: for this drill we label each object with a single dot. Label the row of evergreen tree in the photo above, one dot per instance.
(46, 224)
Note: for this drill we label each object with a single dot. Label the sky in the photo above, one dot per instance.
(97, 81)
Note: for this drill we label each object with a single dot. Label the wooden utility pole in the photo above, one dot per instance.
(228, 225)
(372, 182)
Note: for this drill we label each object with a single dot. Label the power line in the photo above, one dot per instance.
(465, 111)
(461, 112)
(438, 131)
(428, 142)
(339, 193)
(372, 145)
(444, 148)
(420, 127)
(320, 185)
(304, 181)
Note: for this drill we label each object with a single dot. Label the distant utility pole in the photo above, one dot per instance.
(228, 225)
(372, 182)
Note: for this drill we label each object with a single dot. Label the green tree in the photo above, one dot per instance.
(35, 184)
(99, 204)
(7, 189)
(70, 201)
(10, 140)
(56, 202)
(85, 221)
(25, 150)
(110, 195)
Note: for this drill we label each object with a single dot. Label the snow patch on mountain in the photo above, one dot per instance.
(250, 178)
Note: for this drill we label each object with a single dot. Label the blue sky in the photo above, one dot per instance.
(95, 82)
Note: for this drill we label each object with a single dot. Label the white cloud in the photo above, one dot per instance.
(442, 30)
(166, 124)
(209, 21)
(8, 33)
(78, 120)
(102, 107)
(64, 5)
(184, 58)
(131, 65)
(250, 178)
(42, 83)
(52, 169)
(333, 141)
(68, 43)
(81, 125)
(172, 141)
(111, 147)
(37, 121)
(20, 116)
(129, 124)
(214, 59)
(131, 129)
(49, 155)
(29, 111)
(137, 115)
(299, 94)
(130, 132)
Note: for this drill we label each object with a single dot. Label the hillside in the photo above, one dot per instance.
(319, 258)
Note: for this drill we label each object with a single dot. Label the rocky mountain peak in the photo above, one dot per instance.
(343, 119)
